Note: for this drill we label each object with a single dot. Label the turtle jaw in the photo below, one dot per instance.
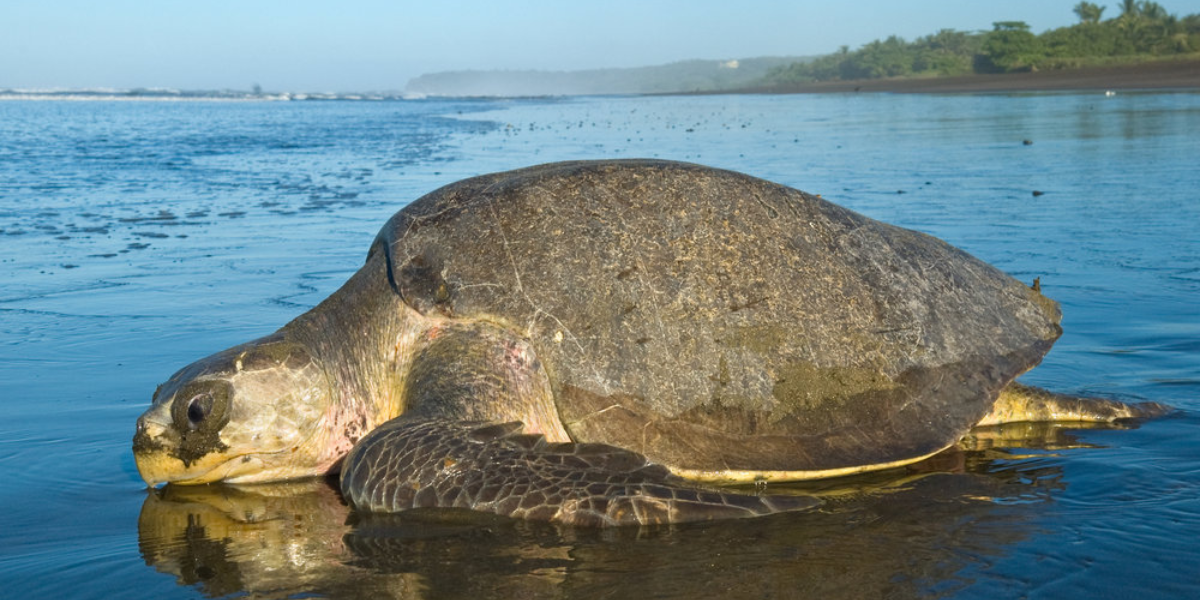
(157, 458)
(155, 452)
(162, 455)
(157, 468)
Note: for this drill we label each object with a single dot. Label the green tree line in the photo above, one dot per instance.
(1144, 30)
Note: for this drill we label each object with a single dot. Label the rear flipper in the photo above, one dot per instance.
(405, 464)
(1027, 404)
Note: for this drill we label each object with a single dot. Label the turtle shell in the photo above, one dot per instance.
(711, 320)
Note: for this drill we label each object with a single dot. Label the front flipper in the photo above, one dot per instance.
(406, 463)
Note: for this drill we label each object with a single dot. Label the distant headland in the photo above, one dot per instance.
(683, 76)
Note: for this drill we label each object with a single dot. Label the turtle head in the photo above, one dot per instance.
(250, 413)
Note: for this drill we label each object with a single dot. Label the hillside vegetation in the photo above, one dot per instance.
(1143, 31)
(684, 76)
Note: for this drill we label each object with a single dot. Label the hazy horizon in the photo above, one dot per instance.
(374, 45)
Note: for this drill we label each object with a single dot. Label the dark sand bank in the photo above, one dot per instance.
(1164, 75)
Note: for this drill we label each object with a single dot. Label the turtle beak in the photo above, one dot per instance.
(155, 444)
(151, 469)
(149, 450)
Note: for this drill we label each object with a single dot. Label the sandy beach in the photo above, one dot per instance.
(1164, 75)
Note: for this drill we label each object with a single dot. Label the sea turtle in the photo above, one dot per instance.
(583, 341)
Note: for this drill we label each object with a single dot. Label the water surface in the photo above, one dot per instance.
(136, 237)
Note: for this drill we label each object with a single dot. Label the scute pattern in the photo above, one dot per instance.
(711, 320)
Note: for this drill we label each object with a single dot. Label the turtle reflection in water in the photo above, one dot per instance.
(592, 343)
(886, 534)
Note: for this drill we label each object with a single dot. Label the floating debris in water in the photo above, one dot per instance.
(163, 215)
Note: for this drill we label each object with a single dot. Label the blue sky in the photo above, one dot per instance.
(376, 45)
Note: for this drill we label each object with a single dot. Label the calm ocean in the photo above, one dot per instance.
(137, 236)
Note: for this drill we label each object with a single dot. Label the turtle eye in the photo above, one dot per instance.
(202, 406)
(198, 409)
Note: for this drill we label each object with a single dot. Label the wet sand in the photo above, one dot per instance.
(1165, 75)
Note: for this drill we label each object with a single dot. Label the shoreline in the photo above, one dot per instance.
(1159, 75)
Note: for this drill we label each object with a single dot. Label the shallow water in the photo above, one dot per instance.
(136, 237)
